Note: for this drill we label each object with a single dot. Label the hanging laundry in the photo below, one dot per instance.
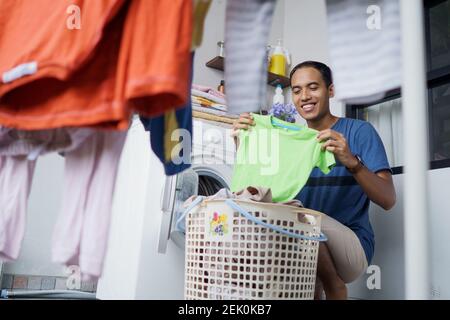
(146, 69)
(16, 176)
(365, 48)
(278, 155)
(19, 151)
(158, 37)
(23, 61)
(201, 8)
(33, 144)
(68, 87)
(81, 233)
(247, 30)
(171, 137)
(171, 133)
(124, 58)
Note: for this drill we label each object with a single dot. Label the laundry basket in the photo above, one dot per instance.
(238, 249)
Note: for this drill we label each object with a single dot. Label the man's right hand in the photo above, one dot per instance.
(245, 120)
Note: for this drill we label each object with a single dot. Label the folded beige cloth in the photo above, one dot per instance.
(259, 194)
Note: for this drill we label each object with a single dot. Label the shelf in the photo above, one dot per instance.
(218, 63)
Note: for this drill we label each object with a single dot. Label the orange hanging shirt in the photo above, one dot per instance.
(54, 75)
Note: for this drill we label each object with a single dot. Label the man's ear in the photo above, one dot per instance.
(331, 90)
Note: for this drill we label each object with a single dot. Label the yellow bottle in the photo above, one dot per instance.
(278, 64)
(279, 60)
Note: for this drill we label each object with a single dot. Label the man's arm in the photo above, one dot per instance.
(379, 186)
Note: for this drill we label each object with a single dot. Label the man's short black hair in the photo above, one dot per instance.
(324, 70)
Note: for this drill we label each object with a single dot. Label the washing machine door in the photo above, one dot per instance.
(200, 180)
(177, 189)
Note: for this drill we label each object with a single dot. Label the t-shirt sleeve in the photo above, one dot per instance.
(371, 149)
(325, 161)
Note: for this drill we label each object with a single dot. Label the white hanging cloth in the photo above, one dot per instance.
(365, 48)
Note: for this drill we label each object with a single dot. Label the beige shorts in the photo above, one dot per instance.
(345, 249)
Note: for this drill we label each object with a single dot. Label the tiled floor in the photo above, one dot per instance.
(22, 282)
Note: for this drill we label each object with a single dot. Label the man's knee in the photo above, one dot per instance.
(326, 269)
(351, 263)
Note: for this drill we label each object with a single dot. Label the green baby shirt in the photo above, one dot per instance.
(278, 155)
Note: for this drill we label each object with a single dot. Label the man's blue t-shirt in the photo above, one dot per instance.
(338, 194)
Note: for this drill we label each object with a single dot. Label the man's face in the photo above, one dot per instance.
(310, 94)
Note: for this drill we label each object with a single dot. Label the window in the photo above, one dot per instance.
(386, 115)
(438, 20)
(440, 122)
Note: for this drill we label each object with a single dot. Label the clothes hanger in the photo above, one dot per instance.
(283, 125)
(276, 124)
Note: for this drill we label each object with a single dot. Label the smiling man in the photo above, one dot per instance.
(362, 174)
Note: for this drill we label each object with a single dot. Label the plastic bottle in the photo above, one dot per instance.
(278, 97)
(279, 59)
(221, 87)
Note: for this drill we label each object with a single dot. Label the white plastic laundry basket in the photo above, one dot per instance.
(239, 249)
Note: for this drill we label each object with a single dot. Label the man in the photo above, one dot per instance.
(362, 174)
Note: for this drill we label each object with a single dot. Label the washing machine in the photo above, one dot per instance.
(212, 163)
(145, 257)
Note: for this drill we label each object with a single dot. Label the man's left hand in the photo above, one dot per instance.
(336, 143)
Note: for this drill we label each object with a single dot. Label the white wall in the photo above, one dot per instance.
(214, 32)
(389, 247)
(439, 190)
(389, 252)
(305, 30)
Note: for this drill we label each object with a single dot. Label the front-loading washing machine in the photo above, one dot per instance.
(212, 164)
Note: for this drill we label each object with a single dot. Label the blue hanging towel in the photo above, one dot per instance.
(162, 129)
